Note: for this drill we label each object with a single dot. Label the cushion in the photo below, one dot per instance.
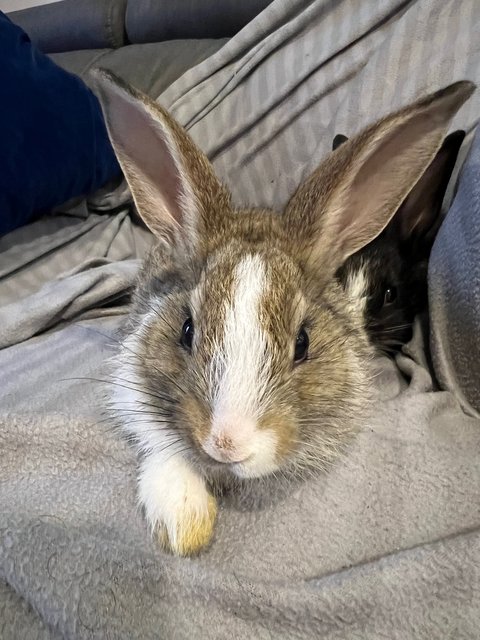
(150, 67)
(454, 291)
(151, 21)
(74, 24)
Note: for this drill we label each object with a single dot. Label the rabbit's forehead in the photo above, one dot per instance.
(262, 289)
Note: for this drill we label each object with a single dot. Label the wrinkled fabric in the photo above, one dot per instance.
(387, 544)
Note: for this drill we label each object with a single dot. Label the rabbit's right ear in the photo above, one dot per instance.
(172, 182)
(352, 196)
(338, 140)
(418, 219)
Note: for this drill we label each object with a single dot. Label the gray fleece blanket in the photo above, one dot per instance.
(387, 544)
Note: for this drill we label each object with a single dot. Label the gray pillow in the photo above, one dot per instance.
(454, 290)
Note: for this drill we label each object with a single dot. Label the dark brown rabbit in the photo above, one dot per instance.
(388, 277)
(243, 356)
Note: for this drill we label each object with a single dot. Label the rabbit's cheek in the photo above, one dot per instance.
(196, 418)
(262, 459)
(284, 425)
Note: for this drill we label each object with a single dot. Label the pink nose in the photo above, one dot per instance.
(222, 448)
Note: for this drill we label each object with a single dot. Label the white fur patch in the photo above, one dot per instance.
(240, 367)
(133, 403)
(239, 378)
(172, 494)
(262, 460)
(356, 286)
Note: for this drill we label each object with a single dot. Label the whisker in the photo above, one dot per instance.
(112, 382)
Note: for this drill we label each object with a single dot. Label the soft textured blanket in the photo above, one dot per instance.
(386, 545)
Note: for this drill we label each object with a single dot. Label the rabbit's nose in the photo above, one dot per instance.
(224, 448)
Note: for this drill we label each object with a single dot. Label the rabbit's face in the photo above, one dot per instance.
(388, 288)
(254, 363)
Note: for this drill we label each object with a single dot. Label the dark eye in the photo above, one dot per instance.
(390, 295)
(301, 346)
(187, 334)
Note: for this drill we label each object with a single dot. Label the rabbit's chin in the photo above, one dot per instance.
(248, 470)
(259, 465)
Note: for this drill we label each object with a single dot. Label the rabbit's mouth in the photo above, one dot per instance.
(247, 469)
(252, 468)
(254, 459)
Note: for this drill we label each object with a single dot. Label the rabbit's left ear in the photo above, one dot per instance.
(355, 192)
(172, 182)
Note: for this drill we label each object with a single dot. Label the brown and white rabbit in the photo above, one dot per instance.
(242, 355)
(388, 277)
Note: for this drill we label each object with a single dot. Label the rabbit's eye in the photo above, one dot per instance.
(187, 334)
(301, 346)
(390, 295)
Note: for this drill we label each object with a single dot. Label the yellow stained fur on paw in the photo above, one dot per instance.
(194, 531)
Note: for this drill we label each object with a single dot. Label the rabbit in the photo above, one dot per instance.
(242, 358)
(388, 277)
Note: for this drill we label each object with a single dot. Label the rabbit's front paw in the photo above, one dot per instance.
(178, 505)
(191, 529)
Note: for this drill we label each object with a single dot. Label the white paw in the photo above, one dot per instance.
(178, 506)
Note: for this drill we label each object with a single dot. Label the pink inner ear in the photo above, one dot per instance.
(151, 169)
(379, 187)
(420, 213)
